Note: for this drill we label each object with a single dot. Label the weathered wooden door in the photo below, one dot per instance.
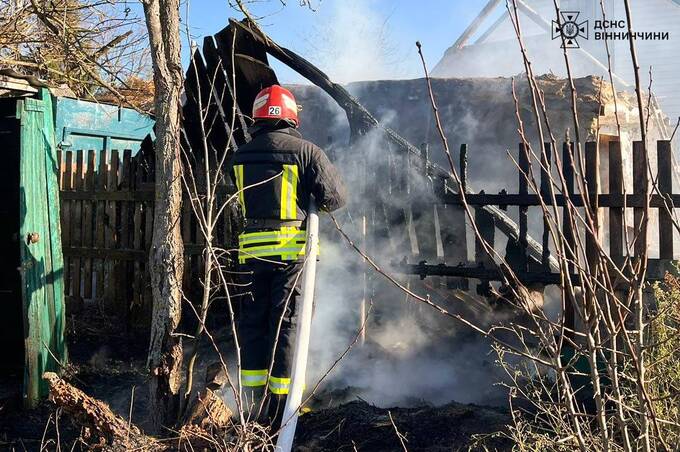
(40, 242)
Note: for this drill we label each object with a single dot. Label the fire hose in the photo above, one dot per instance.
(294, 399)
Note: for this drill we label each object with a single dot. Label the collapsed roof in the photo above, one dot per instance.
(480, 112)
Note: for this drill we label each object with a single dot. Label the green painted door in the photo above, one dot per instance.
(40, 241)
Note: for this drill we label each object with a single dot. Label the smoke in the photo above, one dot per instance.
(412, 354)
(355, 43)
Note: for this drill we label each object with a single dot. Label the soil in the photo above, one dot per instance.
(112, 369)
(352, 426)
(363, 427)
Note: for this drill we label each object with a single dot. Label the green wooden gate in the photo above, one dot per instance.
(40, 241)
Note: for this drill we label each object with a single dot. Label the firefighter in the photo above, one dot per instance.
(276, 173)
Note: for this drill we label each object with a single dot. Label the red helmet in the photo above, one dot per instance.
(276, 102)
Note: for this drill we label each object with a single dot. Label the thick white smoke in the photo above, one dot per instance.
(412, 354)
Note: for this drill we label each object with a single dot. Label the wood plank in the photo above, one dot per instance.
(104, 253)
(124, 268)
(547, 194)
(125, 205)
(454, 240)
(66, 213)
(62, 169)
(665, 178)
(604, 200)
(100, 223)
(422, 221)
(487, 231)
(112, 237)
(592, 175)
(523, 184)
(137, 235)
(144, 194)
(112, 234)
(463, 163)
(616, 248)
(148, 224)
(656, 271)
(77, 225)
(88, 224)
(640, 187)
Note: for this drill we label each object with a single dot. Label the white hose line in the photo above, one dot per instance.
(297, 386)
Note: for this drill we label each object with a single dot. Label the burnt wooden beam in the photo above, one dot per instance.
(482, 273)
(250, 78)
(604, 200)
(222, 91)
(657, 268)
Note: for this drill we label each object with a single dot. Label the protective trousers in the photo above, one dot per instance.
(268, 307)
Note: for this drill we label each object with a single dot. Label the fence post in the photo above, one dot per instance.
(523, 160)
(616, 213)
(665, 177)
(593, 183)
(546, 194)
(640, 188)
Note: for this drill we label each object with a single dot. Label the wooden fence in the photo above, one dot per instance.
(107, 201)
(107, 222)
(613, 198)
(106, 225)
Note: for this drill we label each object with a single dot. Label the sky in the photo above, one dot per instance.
(348, 39)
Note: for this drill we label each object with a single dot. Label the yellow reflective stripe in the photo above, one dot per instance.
(279, 385)
(254, 378)
(288, 243)
(246, 238)
(292, 205)
(284, 193)
(286, 254)
(289, 183)
(254, 372)
(238, 171)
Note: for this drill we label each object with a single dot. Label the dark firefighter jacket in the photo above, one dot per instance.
(276, 173)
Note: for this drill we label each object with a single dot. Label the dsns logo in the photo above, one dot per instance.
(570, 30)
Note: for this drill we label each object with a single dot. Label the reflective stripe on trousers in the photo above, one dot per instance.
(253, 378)
(279, 385)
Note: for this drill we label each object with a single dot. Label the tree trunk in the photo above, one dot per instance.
(167, 250)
